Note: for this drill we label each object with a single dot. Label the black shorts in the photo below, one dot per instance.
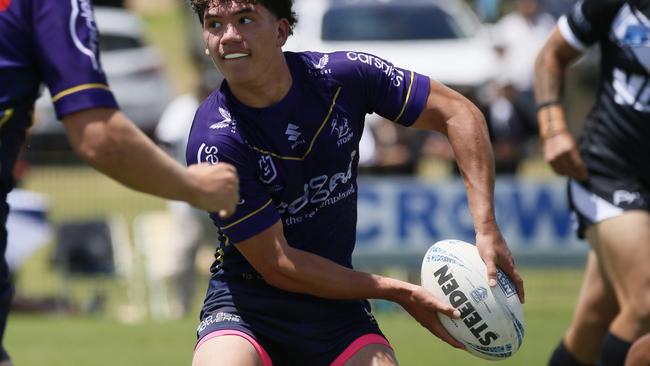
(605, 196)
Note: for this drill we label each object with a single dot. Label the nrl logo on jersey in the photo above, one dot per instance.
(267, 169)
(226, 121)
(83, 10)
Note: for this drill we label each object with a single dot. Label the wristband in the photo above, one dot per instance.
(547, 104)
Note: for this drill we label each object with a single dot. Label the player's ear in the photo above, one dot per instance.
(282, 32)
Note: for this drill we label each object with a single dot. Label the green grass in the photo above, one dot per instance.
(99, 341)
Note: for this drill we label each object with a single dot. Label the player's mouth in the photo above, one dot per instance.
(234, 56)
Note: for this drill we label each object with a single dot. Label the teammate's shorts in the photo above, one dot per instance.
(296, 331)
(605, 196)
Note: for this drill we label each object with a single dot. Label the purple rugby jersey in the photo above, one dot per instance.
(53, 42)
(297, 159)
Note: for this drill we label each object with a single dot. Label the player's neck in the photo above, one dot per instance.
(270, 88)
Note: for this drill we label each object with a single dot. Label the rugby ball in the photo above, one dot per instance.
(491, 325)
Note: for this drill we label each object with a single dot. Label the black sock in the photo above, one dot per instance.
(614, 351)
(562, 357)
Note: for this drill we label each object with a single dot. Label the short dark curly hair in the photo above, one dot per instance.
(279, 8)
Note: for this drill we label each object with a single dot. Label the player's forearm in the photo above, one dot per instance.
(550, 66)
(469, 138)
(304, 272)
(114, 146)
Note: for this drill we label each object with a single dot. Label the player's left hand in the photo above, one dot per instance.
(495, 253)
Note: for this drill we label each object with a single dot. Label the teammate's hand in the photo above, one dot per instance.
(217, 187)
(561, 152)
(495, 253)
(424, 308)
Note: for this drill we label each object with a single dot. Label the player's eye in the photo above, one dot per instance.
(212, 24)
(245, 20)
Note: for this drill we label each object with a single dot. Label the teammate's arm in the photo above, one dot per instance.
(297, 270)
(559, 146)
(451, 114)
(112, 144)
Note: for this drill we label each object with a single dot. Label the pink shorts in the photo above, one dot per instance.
(347, 354)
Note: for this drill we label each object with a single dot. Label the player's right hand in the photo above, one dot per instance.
(424, 307)
(217, 187)
(561, 152)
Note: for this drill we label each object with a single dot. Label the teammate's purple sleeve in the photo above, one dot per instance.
(67, 42)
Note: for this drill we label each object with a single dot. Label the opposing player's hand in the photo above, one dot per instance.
(217, 187)
(495, 253)
(561, 152)
(423, 306)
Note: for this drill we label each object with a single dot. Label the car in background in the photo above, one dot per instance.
(135, 73)
(442, 39)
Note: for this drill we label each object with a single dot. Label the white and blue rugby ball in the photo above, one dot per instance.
(491, 325)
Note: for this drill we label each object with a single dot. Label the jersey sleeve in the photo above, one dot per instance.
(588, 22)
(255, 211)
(67, 48)
(394, 93)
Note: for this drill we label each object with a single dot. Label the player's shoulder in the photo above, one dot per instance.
(215, 123)
(340, 66)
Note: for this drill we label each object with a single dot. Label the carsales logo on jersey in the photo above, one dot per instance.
(4, 4)
(395, 74)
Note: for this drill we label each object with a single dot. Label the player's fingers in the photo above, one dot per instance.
(224, 213)
(439, 331)
(491, 267)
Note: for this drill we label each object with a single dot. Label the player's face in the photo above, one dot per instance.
(244, 40)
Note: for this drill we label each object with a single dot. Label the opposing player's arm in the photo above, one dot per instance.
(559, 147)
(112, 144)
(297, 270)
(451, 114)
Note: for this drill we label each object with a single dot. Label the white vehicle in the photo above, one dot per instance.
(442, 39)
(134, 71)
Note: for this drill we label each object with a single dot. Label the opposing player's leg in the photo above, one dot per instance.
(639, 354)
(622, 244)
(229, 348)
(595, 309)
(367, 350)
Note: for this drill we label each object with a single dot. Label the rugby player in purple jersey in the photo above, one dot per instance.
(56, 42)
(283, 290)
(609, 173)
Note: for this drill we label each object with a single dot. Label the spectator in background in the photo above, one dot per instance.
(172, 133)
(52, 42)
(518, 36)
(511, 110)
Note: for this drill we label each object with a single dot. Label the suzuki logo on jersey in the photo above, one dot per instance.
(83, 9)
(294, 135)
(4, 4)
(207, 154)
(341, 128)
(225, 122)
(396, 75)
(267, 169)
